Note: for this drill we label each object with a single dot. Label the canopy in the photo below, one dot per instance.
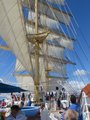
(5, 88)
(86, 89)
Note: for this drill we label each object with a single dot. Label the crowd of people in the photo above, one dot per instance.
(71, 112)
(16, 114)
(22, 100)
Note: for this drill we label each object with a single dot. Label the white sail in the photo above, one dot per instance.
(44, 21)
(11, 30)
(69, 88)
(18, 66)
(64, 41)
(57, 67)
(53, 83)
(49, 11)
(42, 72)
(61, 2)
(57, 52)
(45, 24)
(25, 82)
(51, 55)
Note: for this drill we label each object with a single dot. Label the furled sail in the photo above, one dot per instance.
(11, 30)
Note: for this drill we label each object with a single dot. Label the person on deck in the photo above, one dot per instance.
(59, 103)
(75, 106)
(3, 103)
(44, 113)
(29, 99)
(16, 114)
(71, 115)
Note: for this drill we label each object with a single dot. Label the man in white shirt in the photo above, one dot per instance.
(44, 113)
(16, 114)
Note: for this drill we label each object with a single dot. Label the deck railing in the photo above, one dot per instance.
(85, 107)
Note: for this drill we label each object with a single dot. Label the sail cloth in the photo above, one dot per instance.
(57, 51)
(11, 30)
(53, 83)
(18, 66)
(25, 82)
(46, 23)
(66, 43)
(42, 72)
(60, 2)
(57, 67)
(62, 40)
(50, 11)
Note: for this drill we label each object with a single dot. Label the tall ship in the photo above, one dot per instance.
(33, 31)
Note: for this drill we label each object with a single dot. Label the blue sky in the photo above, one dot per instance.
(81, 11)
(7, 64)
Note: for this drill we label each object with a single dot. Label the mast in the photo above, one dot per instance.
(36, 54)
(42, 27)
(14, 34)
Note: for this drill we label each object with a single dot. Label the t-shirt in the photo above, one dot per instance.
(20, 116)
(76, 107)
(45, 114)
